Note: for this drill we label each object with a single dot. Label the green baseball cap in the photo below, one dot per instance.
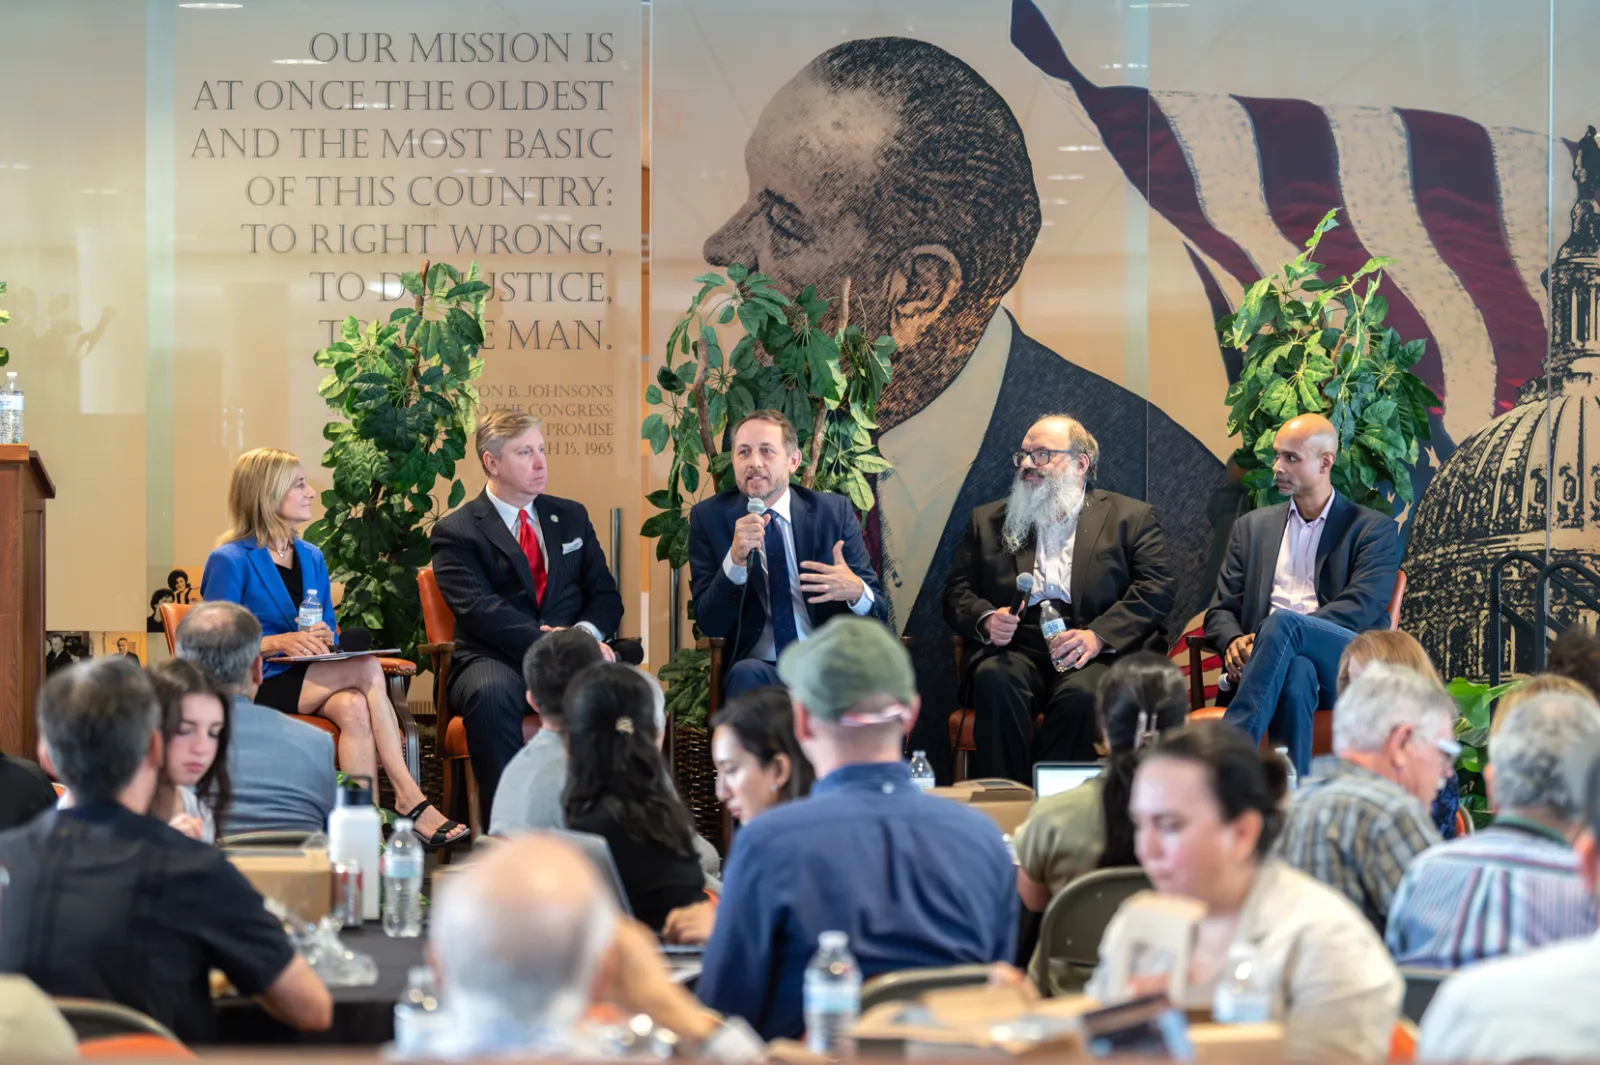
(845, 663)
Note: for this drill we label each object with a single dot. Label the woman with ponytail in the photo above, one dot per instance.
(618, 788)
(1087, 828)
(1207, 806)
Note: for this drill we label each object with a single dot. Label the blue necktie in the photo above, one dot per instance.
(782, 597)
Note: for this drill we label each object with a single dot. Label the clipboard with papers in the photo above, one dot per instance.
(335, 656)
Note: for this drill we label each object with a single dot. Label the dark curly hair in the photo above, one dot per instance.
(1240, 775)
(172, 680)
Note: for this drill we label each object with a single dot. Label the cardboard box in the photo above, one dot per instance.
(1006, 802)
(301, 880)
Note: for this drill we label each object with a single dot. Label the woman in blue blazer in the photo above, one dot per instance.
(262, 563)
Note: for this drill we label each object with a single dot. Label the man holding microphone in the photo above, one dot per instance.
(769, 562)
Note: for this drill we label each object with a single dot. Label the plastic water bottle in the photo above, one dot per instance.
(1051, 624)
(417, 1013)
(921, 771)
(832, 997)
(1243, 995)
(402, 883)
(11, 411)
(1288, 768)
(355, 834)
(310, 610)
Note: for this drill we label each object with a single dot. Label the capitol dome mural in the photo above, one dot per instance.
(1527, 481)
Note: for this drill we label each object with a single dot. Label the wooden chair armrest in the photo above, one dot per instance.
(1197, 647)
(432, 649)
(398, 667)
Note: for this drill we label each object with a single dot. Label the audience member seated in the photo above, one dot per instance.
(513, 564)
(194, 790)
(759, 765)
(529, 796)
(25, 792)
(1298, 581)
(280, 769)
(913, 879)
(1396, 648)
(1515, 886)
(1087, 828)
(108, 903)
(1206, 808)
(526, 937)
(1360, 820)
(1537, 1006)
(31, 1027)
(1576, 656)
(1537, 685)
(262, 563)
(805, 552)
(618, 788)
(1115, 601)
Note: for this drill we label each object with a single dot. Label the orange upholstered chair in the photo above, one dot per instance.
(1203, 654)
(450, 734)
(397, 670)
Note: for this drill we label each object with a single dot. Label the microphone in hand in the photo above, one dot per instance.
(758, 508)
(1024, 589)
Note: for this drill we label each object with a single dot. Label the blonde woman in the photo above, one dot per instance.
(262, 564)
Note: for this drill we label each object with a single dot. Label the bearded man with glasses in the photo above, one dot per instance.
(1099, 558)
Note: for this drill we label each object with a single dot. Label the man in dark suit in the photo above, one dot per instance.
(513, 564)
(803, 551)
(1299, 581)
(1098, 557)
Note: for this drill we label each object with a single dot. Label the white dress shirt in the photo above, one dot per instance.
(509, 515)
(1052, 564)
(1294, 580)
(932, 452)
(766, 646)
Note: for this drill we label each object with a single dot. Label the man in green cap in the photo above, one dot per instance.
(912, 879)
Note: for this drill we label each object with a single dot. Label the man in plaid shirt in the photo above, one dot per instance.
(1362, 816)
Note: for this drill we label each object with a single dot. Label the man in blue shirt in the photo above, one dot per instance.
(913, 880)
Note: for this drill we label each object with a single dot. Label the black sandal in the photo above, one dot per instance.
(441, 838)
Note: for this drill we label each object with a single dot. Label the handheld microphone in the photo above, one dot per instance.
(1024, 590)
(756, 506)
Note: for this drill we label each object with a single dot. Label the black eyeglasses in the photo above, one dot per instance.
(1040, 456)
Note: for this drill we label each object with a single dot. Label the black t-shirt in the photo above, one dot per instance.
(657, 879)
(293, 582)
(108, 904)
(25, 792)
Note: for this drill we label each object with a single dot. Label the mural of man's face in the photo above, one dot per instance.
(815, 162)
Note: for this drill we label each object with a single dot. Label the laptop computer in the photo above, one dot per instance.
(1052, 778)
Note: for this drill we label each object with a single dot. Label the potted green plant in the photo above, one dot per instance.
(826, 381)
(406, 404)
(1315, 346)
(1476, 702)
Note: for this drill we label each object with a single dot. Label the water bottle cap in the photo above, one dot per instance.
(833, 940)
(919, 754)
(419, 974)
(357, 791)
(403, 824)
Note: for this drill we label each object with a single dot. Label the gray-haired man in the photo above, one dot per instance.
(282, 769)
(1538, 1006)
(1360, 820)
(1515, 885)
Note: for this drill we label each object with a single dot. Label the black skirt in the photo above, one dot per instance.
(282, 692)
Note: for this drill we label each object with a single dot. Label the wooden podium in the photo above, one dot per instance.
(24, 487)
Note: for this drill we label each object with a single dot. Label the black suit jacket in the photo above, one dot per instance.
(484, 578)
(739, 612)
(1121, 574)
(1143, 454)
(1357, 559)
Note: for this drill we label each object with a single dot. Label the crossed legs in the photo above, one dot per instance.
(1293, 668)
(351, 693)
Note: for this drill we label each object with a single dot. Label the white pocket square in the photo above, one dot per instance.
(569, 548)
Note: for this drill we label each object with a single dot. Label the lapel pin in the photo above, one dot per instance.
(555, 517)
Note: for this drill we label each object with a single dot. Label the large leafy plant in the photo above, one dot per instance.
(1315, 346)
(403, 391)
(1476, 702)
(826, 383)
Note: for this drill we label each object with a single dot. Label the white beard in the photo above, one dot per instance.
(1045, 502)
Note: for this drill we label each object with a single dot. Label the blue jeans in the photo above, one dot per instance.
(1293, 669)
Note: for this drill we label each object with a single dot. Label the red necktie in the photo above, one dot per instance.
(529, 542)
